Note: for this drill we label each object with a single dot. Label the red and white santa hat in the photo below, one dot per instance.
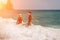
(29, 12)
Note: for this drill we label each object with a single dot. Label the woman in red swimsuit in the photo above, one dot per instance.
(29, 18)
(20, 19)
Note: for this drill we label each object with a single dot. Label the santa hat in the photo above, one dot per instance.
(30, 12)
(20, 14)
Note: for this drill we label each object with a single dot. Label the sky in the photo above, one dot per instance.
(37, 4)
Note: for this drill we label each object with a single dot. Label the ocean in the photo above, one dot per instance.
(45, 29)
(48, 18)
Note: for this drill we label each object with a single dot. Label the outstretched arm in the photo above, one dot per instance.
(35, 19)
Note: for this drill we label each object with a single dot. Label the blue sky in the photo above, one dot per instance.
(37, 4)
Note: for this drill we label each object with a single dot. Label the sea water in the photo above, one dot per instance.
(49, 18)
(9, 30)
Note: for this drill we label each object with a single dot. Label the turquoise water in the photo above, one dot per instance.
(47, 18)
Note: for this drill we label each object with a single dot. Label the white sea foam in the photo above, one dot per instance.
(9, 30)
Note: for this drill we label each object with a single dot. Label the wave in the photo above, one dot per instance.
(9, 30)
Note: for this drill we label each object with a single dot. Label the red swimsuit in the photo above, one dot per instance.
(29, 19)
(20, 19)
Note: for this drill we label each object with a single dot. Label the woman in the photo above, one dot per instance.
(20, 19)
(29, 18)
